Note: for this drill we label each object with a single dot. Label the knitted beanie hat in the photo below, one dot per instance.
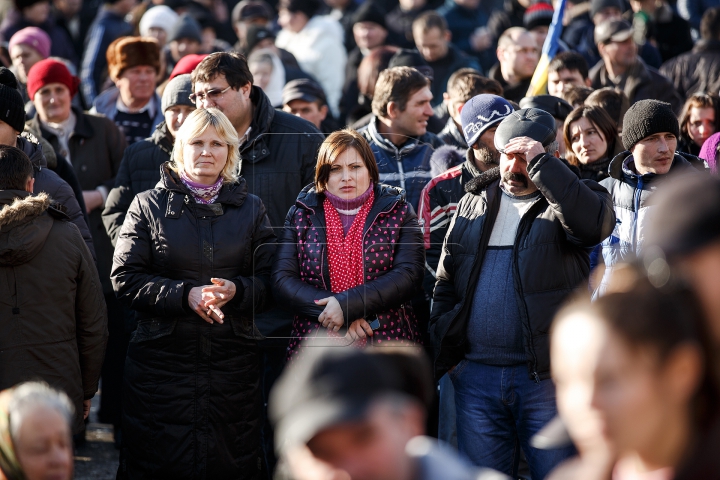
(160, 16)
(538, 15)
(482, 112)
(185, 27)
(129, 52)
(596, 6)
(645, 118)
(12, 107)
(50, 71)
(34, 37)
(177, 92)
(369, 12)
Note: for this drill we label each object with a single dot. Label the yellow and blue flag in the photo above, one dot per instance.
(538, 84)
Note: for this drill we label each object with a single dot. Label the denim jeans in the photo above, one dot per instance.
(499, 409)
(447, 430)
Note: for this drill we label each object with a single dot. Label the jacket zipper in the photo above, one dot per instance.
(638, 192)
(516, 274)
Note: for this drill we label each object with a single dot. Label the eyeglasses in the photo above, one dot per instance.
(213, 95)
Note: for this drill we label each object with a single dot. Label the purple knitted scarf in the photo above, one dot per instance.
(199, 191)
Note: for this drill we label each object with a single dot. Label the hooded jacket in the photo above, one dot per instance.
(320, 51)
(631, 193)
(393, 264)
(49, 182)
(408, 166)
(191, 403)
(54, 320)
(550, 257)
(139, 171)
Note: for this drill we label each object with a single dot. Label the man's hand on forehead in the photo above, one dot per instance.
(524, 147)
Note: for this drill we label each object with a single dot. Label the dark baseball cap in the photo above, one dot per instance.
(613, 31)
(327, 386)
(527, 122)
(555, 106)
(687, 214)
(303, 89)
(250, 10)
(256, 34)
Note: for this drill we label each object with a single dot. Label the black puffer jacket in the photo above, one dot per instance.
(139, 171)
(49, 182)
(551, 257)
(191, 398)
(695, 71)
(279, 158)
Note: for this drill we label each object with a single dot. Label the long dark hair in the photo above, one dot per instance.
(602, 121)
(698, 100)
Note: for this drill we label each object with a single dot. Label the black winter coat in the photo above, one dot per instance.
(279, 158)
(191, 399)
(139, 171)
(392, 235)
(695, 71)
(551, 257)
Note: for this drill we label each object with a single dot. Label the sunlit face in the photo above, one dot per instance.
(574, 353)
(293, 22)
(637, 395)
(175, 116)
(37, 13)
(373, 449)
(52, 102)
(413, 120)
(349, 177)
(540, 33)
(521, 57)
(654, 154)
(235, 104)
(137, 84)
(184, 46)
(369, 35)
(159, 34)
(310, 111)
(432, 44)
(514, 174)
(623, 54)
(701, 124)
(558, 82)
(205, 156)
(23, 58)
(44, 445)
(262, 73)
(587, 141)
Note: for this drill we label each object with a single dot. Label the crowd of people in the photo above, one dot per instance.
(341, 239)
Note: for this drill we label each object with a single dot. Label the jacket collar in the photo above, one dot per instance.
(470, 164)
(483, 181)
(17, 205)
(82, 129)
(707, 46)
(32, 150)
(232, 194)
(162, 138)
(310, 198)
(386, 144)
(255, 148)
(454, 131)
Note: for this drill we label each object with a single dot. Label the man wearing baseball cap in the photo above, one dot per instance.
(650, 133)
(621, 66)
(516, 249)
(305, 98)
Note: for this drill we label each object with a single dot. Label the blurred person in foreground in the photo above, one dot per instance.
(195, 299)
(370, 284)
(54, 317)
(686, 235)
(517, 246)
(654, 388)
(355, 414)
(140, 166)
(35, 433)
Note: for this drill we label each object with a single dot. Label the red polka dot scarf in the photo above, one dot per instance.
(345, 252)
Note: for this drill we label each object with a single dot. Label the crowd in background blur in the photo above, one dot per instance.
(201, 200)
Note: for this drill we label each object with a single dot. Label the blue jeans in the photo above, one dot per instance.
(499, 409)
(447, 430)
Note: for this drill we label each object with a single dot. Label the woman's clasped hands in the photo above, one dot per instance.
(207, 301)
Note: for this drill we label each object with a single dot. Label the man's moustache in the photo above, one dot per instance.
(515, 177)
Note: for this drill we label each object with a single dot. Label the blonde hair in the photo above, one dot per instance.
(195, 124)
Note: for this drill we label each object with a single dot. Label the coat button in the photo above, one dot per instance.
(172, 213)
(264, 151)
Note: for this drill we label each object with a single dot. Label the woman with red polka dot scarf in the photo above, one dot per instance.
(350, 257)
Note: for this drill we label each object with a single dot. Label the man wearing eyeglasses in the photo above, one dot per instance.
(278, 154)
